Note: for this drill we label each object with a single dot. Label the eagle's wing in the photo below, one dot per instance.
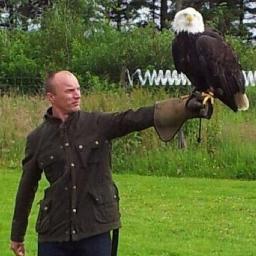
(221, 68)
(178, 58)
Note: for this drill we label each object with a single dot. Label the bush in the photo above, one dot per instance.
(65, 42)
(107, 52)
(245, 51)
(19, 68)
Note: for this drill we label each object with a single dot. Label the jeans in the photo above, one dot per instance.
(99, 245)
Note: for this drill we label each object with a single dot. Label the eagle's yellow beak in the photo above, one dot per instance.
(189, 18)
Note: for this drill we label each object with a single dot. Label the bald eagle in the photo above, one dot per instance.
(207, 60)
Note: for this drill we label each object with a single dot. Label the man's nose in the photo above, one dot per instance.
(77, 94)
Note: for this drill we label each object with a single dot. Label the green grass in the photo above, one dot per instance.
(164, 216)
(227, 149)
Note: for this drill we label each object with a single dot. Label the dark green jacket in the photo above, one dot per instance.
(81, 200)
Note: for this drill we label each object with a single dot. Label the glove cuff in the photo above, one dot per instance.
(169, 116)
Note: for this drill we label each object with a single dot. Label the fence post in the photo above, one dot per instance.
(182, 144)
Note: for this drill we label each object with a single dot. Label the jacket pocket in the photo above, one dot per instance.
(89, 153)
(105, 203)
(43, 220)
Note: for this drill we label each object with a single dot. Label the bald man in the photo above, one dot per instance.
(73, 148)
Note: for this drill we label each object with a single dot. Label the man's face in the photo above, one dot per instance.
(66, 96)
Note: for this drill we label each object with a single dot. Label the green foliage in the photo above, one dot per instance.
(60, 25)
(18, 65)
(107, 52)
(245, 51)
(227, 17)
(66, 40)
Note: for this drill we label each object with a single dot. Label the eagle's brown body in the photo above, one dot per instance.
(210, 64)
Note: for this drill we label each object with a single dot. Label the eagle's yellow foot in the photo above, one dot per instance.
(184, 97)
(208, 96)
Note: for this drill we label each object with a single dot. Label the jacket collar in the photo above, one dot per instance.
(49, 117)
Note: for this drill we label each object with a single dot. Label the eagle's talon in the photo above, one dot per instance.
(184, 97)
(208, 96)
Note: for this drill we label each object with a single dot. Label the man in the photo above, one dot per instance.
(73, 149)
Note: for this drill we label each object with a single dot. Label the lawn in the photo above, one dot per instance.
(165, 216)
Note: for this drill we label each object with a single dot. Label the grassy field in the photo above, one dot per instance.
(227, 149)
(164, 216)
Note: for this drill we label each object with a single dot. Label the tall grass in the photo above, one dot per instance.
(227, 148)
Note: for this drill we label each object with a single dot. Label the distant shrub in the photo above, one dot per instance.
(18, 65)
(245, 51)
(64, 42)
(107, 53)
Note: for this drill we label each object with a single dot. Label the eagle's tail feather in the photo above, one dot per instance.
(241, 101)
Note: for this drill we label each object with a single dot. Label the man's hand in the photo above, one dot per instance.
(18, 248)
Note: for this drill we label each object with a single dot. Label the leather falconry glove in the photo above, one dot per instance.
(171, 114)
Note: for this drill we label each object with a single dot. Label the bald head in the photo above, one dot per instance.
(63, 92)
(56, 79)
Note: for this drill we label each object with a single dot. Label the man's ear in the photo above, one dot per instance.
(50, 97)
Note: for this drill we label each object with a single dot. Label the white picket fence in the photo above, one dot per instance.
(172, 78)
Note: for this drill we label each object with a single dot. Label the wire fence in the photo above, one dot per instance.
(24, 84)
(157, 78)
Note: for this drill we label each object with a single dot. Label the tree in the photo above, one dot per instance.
(20, 14)
(250, 9)
(179, 4)
(163, 14)
(119, 13)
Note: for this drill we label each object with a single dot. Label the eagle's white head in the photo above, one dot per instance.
(188, 20)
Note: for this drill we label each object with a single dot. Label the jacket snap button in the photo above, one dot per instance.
(80, 146)
(96, 142)
(74, 210)
(72, 165)
(46, 208)
(51, 157)
(66, 144)
(73, 232)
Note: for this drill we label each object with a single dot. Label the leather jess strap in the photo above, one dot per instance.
(115, 236)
